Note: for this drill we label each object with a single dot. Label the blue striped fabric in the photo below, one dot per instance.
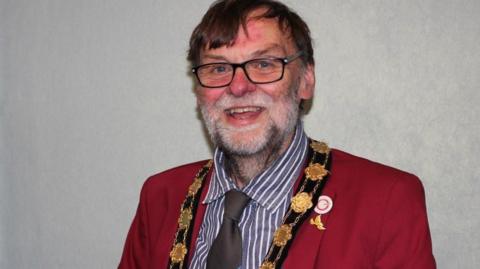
(271, 192)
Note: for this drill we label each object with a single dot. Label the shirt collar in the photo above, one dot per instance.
(273, 185)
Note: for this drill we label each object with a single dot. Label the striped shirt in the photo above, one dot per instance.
(270, 194)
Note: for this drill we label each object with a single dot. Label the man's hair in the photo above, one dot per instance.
(219, 26)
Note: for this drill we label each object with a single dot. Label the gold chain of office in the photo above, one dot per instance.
(310, 188)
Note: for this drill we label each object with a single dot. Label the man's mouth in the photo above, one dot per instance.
(239, 110)
(244, 113)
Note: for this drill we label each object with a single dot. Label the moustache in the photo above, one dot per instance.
(252, 99)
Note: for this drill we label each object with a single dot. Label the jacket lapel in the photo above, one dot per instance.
(307, 242)
(199, 215)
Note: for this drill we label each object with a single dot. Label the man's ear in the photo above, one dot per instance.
(307, 86)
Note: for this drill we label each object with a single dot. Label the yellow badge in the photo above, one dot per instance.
(301, 202)
(185, 218)
(267, 265)
(317, 222)
(282, 235)
(315, 172)
(178, 253)
(194, 187)
(320, 147)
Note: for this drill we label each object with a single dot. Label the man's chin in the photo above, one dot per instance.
(242, 143)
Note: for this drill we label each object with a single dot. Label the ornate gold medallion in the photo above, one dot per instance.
(267, 265)
(195, 186)
(317, 222)
(301, 202)
(185, 218)
(315, 172)
(178, 253)
(282, 235)
(320, 147)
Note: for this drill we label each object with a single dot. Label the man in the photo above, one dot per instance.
(271, 197)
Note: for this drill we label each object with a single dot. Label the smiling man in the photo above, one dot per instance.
(271, 197)
(251, 109)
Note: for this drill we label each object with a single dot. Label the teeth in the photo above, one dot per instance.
(243, 110)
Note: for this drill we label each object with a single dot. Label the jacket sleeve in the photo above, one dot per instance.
(136, 249)
(404, 240)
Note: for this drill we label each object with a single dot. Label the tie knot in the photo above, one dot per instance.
(235, 202)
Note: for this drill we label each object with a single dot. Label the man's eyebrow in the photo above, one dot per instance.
(270, 49)
(214, 57)
(257, 53)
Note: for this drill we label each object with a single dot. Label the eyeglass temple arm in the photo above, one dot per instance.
(293, 57)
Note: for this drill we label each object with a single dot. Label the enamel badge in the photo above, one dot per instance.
(324, 205)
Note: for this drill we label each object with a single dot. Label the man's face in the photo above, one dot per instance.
(245, 118)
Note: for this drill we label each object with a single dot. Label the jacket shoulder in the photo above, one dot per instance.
(346, 163)
(177, 178)
(356, 175)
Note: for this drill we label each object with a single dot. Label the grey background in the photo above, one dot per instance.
(95, 97)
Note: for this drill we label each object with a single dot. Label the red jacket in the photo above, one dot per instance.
(378, 220)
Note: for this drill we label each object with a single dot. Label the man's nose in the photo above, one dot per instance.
(240, 84)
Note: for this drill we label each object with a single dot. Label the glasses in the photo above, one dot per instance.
(258, 71)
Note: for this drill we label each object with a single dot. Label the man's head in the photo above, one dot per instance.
(251, 106)
(219, 26)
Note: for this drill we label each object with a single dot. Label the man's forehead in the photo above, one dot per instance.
(257, 29)
(257, 36)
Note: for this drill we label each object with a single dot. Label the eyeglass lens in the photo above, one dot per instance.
(257, 70)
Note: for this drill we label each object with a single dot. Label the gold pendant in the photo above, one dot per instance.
(196, 184)
(185, 218)
(317, 222)
(267, 265)
(301, 202)
(282, 235)
(315, 172)
(320, 147)
(178, 253)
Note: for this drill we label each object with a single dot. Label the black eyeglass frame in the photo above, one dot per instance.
(284, 61)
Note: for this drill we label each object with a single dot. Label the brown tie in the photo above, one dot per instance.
(226, 250)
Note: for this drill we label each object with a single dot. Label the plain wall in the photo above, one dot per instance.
(3, 186)
(95, 96)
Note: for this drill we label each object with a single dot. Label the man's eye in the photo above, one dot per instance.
(263, 64)
(217, 69)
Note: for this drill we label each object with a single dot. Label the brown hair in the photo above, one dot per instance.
(219, 26)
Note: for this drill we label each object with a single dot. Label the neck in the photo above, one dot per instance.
(243, 168)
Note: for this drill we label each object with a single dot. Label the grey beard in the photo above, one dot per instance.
(246, 152)
(274, 135)
(250, 158)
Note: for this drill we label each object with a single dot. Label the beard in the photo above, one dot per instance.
(270, 135)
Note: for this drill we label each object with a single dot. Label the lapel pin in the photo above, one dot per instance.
(317, 222)
(324, 205)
